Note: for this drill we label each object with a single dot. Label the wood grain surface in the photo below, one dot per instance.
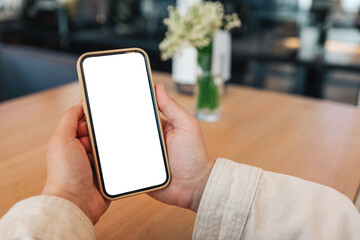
(315, 140)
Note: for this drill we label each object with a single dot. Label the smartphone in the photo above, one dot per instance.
(123, 122)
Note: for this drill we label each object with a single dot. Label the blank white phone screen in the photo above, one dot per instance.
(124, 122)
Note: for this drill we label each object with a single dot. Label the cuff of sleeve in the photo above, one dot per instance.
(46, 217)
(226, 200)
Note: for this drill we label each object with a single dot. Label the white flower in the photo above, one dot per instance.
(197, 27)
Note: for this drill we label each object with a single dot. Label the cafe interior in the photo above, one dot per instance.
(289, 91)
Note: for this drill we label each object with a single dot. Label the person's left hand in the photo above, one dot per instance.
(69, 160)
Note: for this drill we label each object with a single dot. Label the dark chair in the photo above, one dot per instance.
(25, 70)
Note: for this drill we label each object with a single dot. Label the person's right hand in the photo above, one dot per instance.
(190, 163)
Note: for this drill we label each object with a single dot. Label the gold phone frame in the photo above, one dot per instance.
(86, 108)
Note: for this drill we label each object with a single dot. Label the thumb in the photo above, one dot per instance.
(69, 122)
(170, 108)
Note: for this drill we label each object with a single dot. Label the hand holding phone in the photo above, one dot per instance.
(69, 173)
(189, 160)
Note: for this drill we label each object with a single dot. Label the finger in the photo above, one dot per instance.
(83, 119)
(166, 126)
(82, 130)
(171, 109)
(69, 122)
(91, 159)
(163, 121)
(85, 141)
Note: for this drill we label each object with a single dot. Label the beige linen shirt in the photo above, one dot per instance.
(239, 202)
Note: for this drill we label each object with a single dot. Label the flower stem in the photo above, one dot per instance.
(208, 92)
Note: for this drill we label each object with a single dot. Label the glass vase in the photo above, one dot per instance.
(208, 87)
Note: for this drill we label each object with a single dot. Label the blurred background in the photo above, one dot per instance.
(303, 47)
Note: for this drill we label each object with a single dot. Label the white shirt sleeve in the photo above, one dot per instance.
(244, 202)
(239, 202)
(46, 217)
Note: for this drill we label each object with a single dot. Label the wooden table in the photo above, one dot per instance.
(314, 140)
